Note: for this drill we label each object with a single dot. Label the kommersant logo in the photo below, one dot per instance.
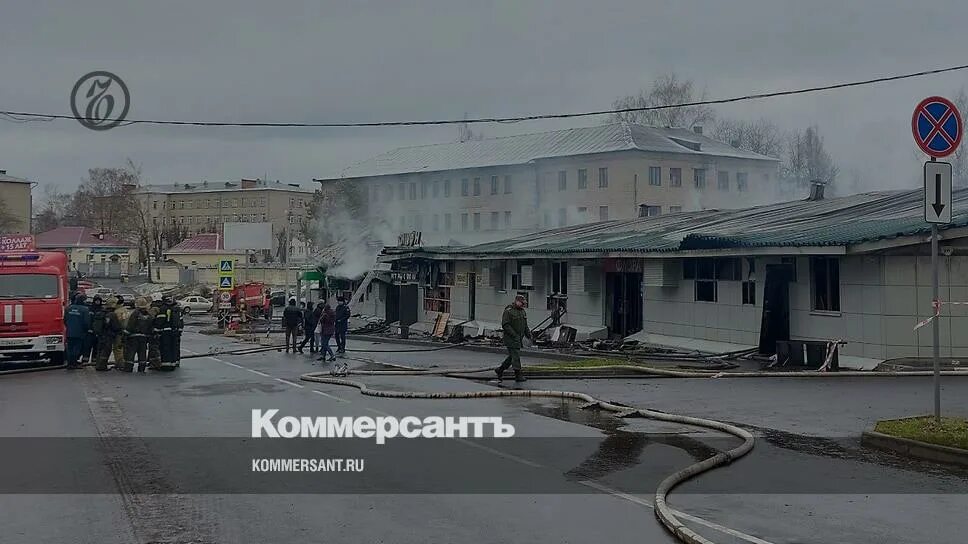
(264, 425)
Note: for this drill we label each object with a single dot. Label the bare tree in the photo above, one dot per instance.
(761, 136)
(105, 200)
(52, 210)
(8, 221)
(667, 90)
(807, 159)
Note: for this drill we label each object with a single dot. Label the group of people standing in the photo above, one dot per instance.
(319, 323)
(149, 334)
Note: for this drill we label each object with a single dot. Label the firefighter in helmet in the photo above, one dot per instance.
(138, 330)
(107, 327)
(119, 341)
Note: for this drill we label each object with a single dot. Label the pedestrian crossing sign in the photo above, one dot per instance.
(226, 265)
(226, 282)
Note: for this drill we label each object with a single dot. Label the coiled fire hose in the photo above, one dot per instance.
(663, 512)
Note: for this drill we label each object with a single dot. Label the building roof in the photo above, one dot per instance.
(524, 148)
(220, 186)
(66, 237)
(200, 243)
(845, 221)
(10, 179)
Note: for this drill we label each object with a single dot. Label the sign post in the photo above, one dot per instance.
(937, 128)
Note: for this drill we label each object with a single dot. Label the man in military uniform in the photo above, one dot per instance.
(138, 329)
(121, 313)
(514, 323)
(107, 327)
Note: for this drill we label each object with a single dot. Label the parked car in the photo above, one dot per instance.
(128, 299)
(195, 304)
(103, 292)
(277, 298)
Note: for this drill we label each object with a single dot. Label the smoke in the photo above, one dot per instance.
(350, 241)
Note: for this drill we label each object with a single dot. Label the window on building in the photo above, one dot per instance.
(825, 279)
(494, 185)
(562, 180)
(263, 218)
(292, 202)
(447, 222)
(477, 186)
(418, 222)
(706, 271)
(652, 211)
(507, 185)
(741, 181)
(675, 209)
(603, 177)
(413, 191)
(562, 217)
(436, 189)
(655, 175)
(423, 190)
(603, 213)
(559, 278)
(499, 272)
(675, 177)
(582, 214)
(495, 219)
(181, 204)
(722, 180)
(446, 188)
(749, 292)
(388, 191)
(699, 178)
(477, 221)
(437, 299)
(402, 191)
(507, 220)
(436, 223)
(582, 178)
(464, 222)
(154, 205)
(465, 187)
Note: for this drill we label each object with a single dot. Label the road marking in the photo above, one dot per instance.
(287, 382)
(334, 397)
(263, 374)
(679, 513)
(500, 453)
(230, 364)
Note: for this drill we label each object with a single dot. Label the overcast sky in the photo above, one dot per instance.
(301, 61)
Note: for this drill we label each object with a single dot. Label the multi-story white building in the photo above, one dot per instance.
(488, 189)
(206, 206)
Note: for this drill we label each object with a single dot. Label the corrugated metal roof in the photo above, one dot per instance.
(524, 148)
(11, 179)
(200, 243)
(65, 237)
(831, 222)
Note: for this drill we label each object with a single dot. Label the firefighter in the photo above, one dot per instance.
(159, 322)
(110, 329)
(77, 320)
(90, 347)
(138, 329)
(122, 315)
(169, 337)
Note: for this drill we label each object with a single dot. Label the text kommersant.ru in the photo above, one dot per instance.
(264, 425)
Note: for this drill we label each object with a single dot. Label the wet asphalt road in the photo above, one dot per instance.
(820, 488)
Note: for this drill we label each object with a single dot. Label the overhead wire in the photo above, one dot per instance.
(508, 119)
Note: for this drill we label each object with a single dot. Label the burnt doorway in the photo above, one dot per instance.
(392, 308)
(623, 300)
(775, 325)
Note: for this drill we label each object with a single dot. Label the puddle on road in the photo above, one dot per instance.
(213, 389)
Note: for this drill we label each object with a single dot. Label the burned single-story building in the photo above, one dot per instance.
(855, 268)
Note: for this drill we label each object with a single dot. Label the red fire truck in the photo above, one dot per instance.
(33, 296)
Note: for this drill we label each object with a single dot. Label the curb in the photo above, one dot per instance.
(483, 349)
(915, 448)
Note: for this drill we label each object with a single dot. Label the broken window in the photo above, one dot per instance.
(749, 292)
(559, 278)
(825, 276)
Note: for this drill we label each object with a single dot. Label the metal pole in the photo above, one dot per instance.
(936, 325)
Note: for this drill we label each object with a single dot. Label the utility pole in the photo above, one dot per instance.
(285, 254)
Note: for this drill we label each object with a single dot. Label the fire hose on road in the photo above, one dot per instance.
(663, 511)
